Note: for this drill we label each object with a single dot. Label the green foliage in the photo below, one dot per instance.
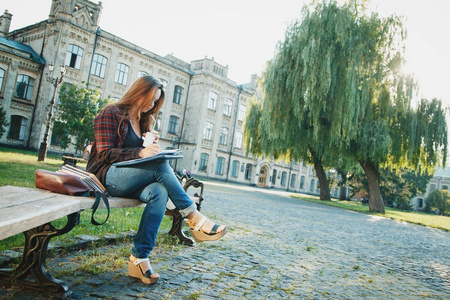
(3, 122)
(335, 89)
(75, 115)
(397, 186)
(440, 200)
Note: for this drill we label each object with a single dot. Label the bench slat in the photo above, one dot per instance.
(32, 208)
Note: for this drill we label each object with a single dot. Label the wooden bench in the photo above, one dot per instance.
(30, 210)
(71, 160)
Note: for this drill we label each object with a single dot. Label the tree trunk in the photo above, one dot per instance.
(373, 177)
(324, 184)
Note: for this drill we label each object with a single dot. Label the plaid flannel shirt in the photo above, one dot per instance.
(107, 148)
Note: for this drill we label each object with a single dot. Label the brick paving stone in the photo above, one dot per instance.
(299, 250)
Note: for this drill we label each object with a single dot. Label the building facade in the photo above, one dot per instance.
(203, 113)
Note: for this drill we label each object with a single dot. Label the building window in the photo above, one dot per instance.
(17, 128)
(274, 176)
(241, 113)
(98, 67)
(178, 94)
(74, 56)
(173, 124)
(212, 101)
(165, 84)
(223, 136)
(302, 182)
(432, 187)
(24, 87)
(57, 139)
(227, 107)
(203, 162)
(207, 131)
(158, 122)
(248, 172)
(238, 140)
(235, 168)
(122, 71)
(142, 73)
(219, 165)
(293, 180)
(419, 202)
(283, 178)
(311, 186)
(445, 187)
(2, 78)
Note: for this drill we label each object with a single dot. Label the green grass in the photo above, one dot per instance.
(17, 168)
(434, 221)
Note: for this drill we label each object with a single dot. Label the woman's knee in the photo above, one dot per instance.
(154, 192)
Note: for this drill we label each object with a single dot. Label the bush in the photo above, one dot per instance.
(438, 200)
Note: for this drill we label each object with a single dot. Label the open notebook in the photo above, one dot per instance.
(87, 177)
(165, 154)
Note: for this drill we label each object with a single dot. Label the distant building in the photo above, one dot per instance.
(203, 112)
(440, 181)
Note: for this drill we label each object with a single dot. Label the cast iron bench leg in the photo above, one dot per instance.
(34, 257)
(177, 219)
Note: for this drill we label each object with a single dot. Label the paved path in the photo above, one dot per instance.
(281, 248)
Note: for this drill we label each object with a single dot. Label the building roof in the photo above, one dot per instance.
(25, 50)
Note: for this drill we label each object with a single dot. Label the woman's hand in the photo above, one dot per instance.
(150, 150)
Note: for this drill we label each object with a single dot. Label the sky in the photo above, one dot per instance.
(243, 34)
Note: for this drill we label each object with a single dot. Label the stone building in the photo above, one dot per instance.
(203, 113)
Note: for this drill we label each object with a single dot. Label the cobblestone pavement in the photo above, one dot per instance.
(279, 247)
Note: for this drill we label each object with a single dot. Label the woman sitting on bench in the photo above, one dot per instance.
(119, 129)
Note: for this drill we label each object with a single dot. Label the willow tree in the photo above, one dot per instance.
(334, 88)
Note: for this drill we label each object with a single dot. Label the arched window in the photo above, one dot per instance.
(302, 182)
(122, 71)
(241, 113)
(98, 67)
(207, 131)
(142, 73)
(74, 56)
(158, 121)
(235, 168)
(248, 172)
(212, 101)
(283, 178)
(238, 140)
(173, 124)
(202, 166)
(274, 176)
(227, 105)
(2, 78)
(219, 165)
(312, 185)
(178, 94)
(17, 128)
(293, 178)
(24, 87)
(223, 136)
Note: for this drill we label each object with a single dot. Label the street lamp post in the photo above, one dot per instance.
(55, 81)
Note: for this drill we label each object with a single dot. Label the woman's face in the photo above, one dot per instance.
(156, 97)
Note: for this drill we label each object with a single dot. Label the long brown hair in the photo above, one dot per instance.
(137, 98)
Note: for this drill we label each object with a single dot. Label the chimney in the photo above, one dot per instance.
(254, 81)
(5, 23)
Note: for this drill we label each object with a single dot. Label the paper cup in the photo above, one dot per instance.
(148, 139)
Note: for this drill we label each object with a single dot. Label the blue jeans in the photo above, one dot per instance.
(152, 183)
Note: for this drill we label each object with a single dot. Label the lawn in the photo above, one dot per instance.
(441, 222)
